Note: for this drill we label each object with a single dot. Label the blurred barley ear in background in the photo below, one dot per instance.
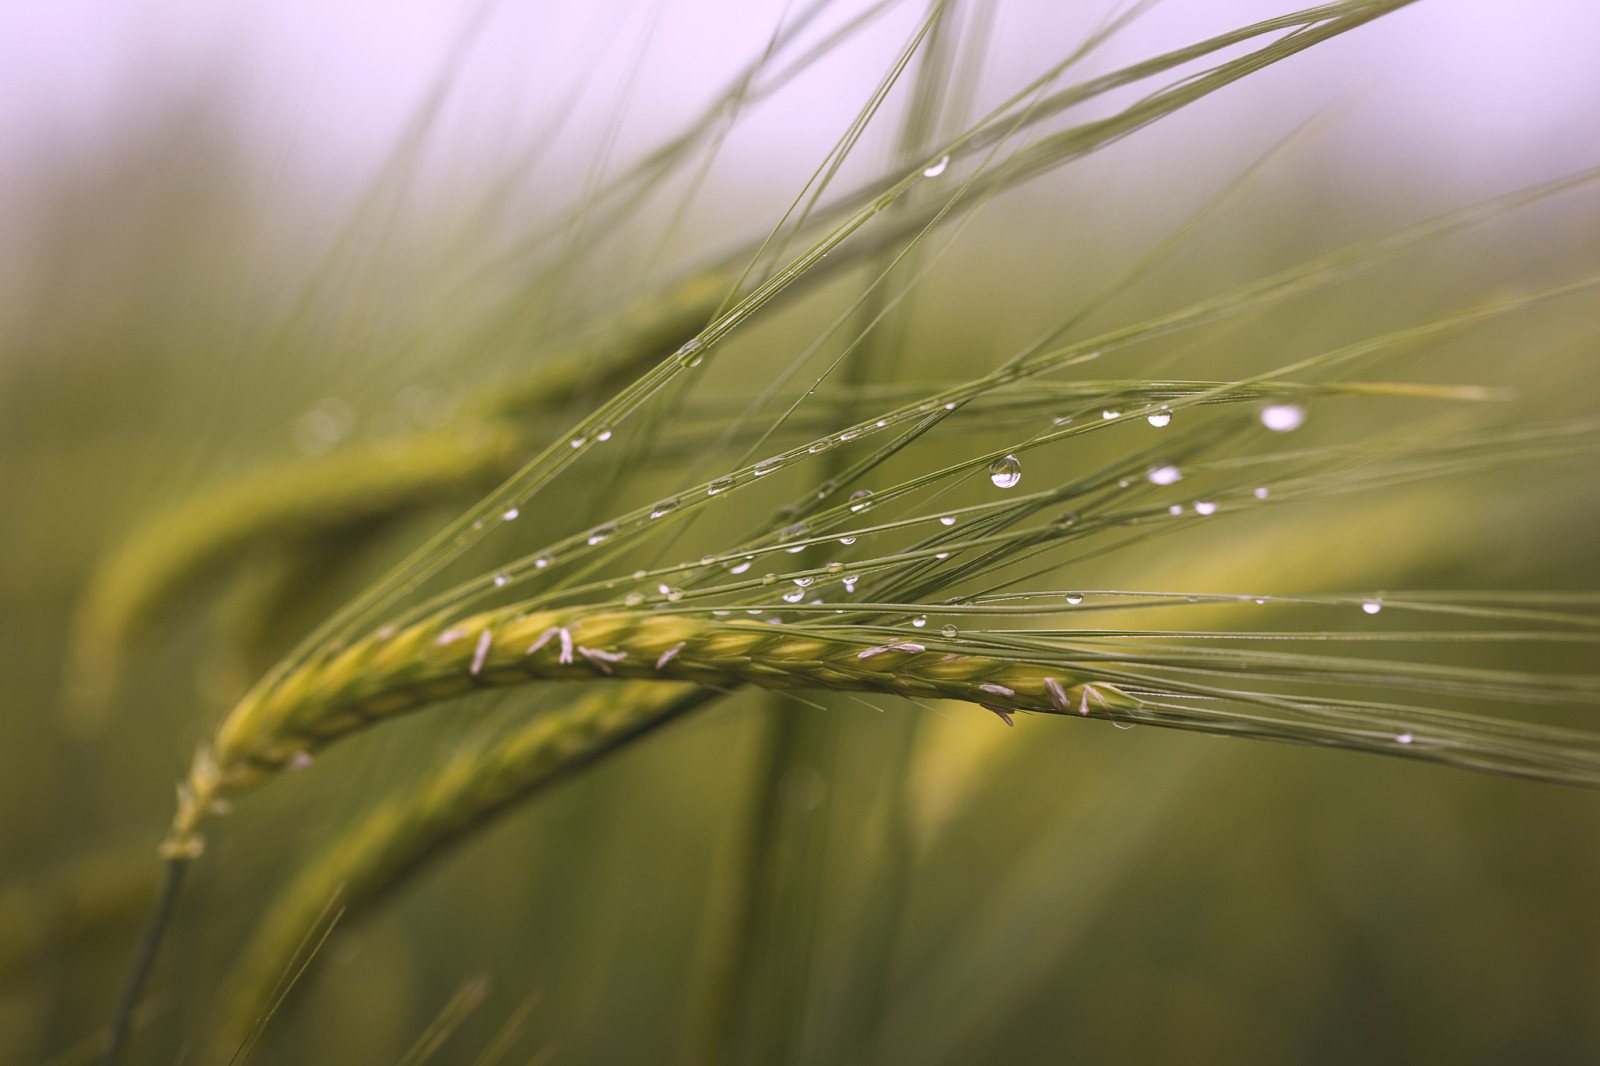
(747, 553)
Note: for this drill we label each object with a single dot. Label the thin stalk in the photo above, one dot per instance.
(144, 957)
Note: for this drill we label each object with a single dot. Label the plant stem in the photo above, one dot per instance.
(144, 957)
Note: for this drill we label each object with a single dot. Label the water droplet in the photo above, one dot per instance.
(1260, 600)
(603, 434)
(1160, 418)
(1175, 509)
(937, 169)
(767, 579)
(949, 407)
(511, 514)
(664, 507)
(1164, 475)
(1282, 417)
(767, 466)
(578, 442)
(633, 599)
(601, 533)
(1074, 598)
(1372, 606)
(1404, 738)
(834, 567)
(674, 595)
(942, 555)
(1005, 472)
(847, 540)
(804, 582)
(689, 355)
(948, 631)
(849, 434)
(794, 597)
(543, 559)
(501, 579)
(1109, 414)
(741, 568)
(1262, 493)
(858, 500)
(1062, 421)
(1205, 507)
(849, 582)
(920, 621)
(721, 484)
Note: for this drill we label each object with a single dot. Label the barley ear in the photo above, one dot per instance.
(388, 673)
(418, 823)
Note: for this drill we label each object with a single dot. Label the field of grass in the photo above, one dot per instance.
(648, 615)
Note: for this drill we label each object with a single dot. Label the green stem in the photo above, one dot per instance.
(144, 957)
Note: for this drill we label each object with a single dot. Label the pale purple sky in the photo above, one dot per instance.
(1509, 88)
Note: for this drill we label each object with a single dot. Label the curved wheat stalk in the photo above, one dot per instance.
(298, 502)
(417, 823)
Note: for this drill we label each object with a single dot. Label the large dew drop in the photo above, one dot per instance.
(1164, 475)
(1006, 472)
(1282, 417)
(937, 168)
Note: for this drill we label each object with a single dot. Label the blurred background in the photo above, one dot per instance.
(243, 234)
